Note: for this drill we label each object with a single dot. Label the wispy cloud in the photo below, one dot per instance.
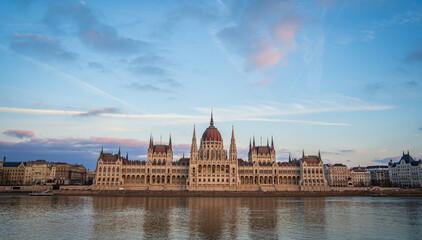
(90, 30)
(262, 83)
(146, 87)
(19, 133)
(41, 46)
(414, 56)
(375, 27)
(97, 112)
(71, 78)
(262, 32)
(255, 112)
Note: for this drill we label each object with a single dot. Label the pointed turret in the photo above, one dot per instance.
(193, 148)
(119, 152)
(212, 119)
(170, 143)
(253, 143)
(303, 154)
(319, 155)
(233, 149)
(290, 159)
(268, 144)
(272, 143)
(150, 142)
(127, 155)
(102, 150)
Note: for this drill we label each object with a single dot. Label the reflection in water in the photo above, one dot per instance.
(72, 217)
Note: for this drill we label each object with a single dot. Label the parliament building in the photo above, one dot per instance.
(210, 168)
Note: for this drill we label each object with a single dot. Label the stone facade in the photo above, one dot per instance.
(12, 173)
(379, 175)
(209, 168)
(337, 175)
(406, 173)
(41, 172)
(360, 177)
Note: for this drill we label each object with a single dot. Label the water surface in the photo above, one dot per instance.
(92, 217)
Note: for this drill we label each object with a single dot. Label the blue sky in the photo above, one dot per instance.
(343, 77)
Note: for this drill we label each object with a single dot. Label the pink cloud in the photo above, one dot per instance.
(19, 133)
(96, 112)
(361, 152)
(266, 55)
(119, 141)
(285, 32)
(263, 82)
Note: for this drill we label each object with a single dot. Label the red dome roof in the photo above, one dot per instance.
(211, 134)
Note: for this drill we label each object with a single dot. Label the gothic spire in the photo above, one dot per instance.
(127, 155)
(233, 150)
(194, 148)
(170, 143)
(254, 142)
(212, 119)
(272, 143)
(119, 151)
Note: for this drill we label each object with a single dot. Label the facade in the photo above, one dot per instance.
(360, 177)
(337, 175)
(209, 168)
(12, 173)
(312, 173)
(406, 173)
(379, 175)
(39, 172)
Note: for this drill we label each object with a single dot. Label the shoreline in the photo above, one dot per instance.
(135, 193)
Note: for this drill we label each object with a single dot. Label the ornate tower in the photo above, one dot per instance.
(233, 150)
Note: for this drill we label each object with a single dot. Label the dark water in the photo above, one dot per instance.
(62, 217)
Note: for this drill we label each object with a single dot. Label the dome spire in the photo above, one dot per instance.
(212, 120)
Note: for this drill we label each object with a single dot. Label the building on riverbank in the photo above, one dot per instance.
(379, 175)
(210, 168)
(407, 172)
(41, 172)
(12, 173)
(360, 177)
(337, 175)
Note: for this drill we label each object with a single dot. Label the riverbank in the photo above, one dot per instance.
(383, 193)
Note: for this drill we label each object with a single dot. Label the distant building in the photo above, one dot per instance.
(406, 173)
(78, 174)
(337, 175)
(91, 177)
(41, 172)
(379, 175)
(12, 173)
(360, 177)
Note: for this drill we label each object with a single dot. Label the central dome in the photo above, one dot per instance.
(211, 133)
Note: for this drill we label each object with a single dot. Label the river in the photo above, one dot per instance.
(96, 217)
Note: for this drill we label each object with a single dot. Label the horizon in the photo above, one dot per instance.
(329, 76)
